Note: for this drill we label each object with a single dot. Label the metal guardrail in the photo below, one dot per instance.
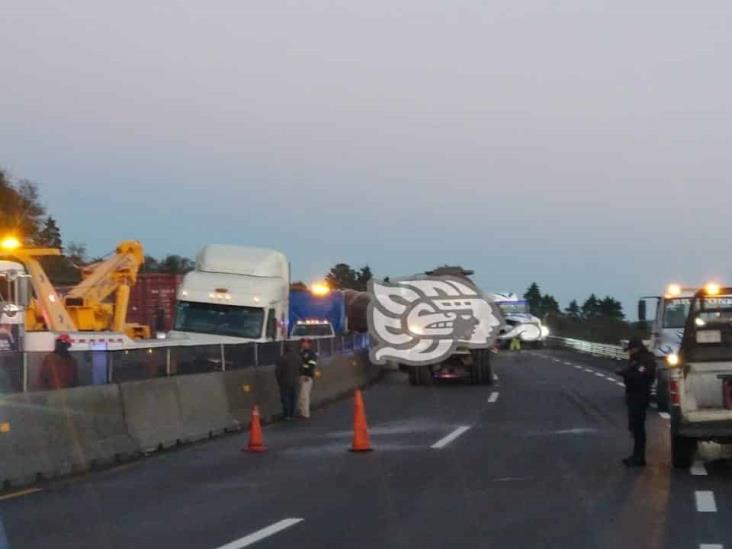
(21, 371)
(605, 350)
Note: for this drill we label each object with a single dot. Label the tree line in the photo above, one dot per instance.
(597, 319)
(23, 213)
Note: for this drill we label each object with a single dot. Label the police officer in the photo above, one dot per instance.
(307, 373)
(639, 375)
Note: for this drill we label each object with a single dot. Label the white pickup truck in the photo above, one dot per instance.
(700, 375)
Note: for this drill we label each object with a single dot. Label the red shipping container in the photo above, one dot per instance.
(152, 300)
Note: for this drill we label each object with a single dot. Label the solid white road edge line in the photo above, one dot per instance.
(493, 397)
(246, 541)
(698, 469)
(449, 438)
(705, 502)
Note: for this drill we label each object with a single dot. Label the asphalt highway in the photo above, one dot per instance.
(531, 461)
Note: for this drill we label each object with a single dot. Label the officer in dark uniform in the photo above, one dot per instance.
(639, 376)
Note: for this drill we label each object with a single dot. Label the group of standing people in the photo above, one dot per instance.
(295, 372)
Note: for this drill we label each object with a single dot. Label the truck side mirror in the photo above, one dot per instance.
(642, 310)
(20, 289)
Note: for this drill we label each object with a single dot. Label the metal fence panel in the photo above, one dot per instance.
(240, 355)
(137, 364)
(101, 367)
(268, 352)
(11, 372)
(197, 359)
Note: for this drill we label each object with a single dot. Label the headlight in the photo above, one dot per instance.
(544, 331)
(672, 360)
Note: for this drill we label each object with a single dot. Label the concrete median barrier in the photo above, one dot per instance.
(152, 412)
(55, 433)
(204, 409)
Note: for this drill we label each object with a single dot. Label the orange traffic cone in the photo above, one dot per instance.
(256, 439)
(360, 428)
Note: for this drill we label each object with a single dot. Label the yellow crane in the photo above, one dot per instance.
(88, 306)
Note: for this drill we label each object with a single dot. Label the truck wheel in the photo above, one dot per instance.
(475, 368)
(413, 373)
(682, 451)
(425, 375)
(480, 373)
(487, 367)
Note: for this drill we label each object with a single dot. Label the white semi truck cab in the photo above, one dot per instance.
(235, 294)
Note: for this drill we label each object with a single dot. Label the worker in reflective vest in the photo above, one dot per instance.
(515, 344)
(307, 373)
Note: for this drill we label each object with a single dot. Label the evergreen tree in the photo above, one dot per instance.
(533, 297)
(50, 235)
(363, 277)
(611, 308)
(573, 310)
(175, 264)
(549, 305)
(591, 307)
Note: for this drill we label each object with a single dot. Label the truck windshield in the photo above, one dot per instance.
(225, 320)
(513, 307)
(710, 339)
(675, 312)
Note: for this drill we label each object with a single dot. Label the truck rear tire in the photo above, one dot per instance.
(425, 375)
(682, 451)
(488, 367)
(480, 372)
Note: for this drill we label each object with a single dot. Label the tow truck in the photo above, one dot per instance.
(667, 330)
(700, 375)
(93, 313)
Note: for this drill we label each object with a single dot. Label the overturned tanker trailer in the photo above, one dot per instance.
(436, 325)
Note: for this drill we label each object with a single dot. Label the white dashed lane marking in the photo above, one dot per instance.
(711, 546)
(698, 469)
(259, 535)
(664, 415)
(705, 502)
(493, 397)
(449, 438)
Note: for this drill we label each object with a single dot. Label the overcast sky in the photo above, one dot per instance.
(582, 144)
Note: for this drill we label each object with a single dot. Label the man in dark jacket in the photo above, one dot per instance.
(639, 376)
(59, 369)
(287, 371)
